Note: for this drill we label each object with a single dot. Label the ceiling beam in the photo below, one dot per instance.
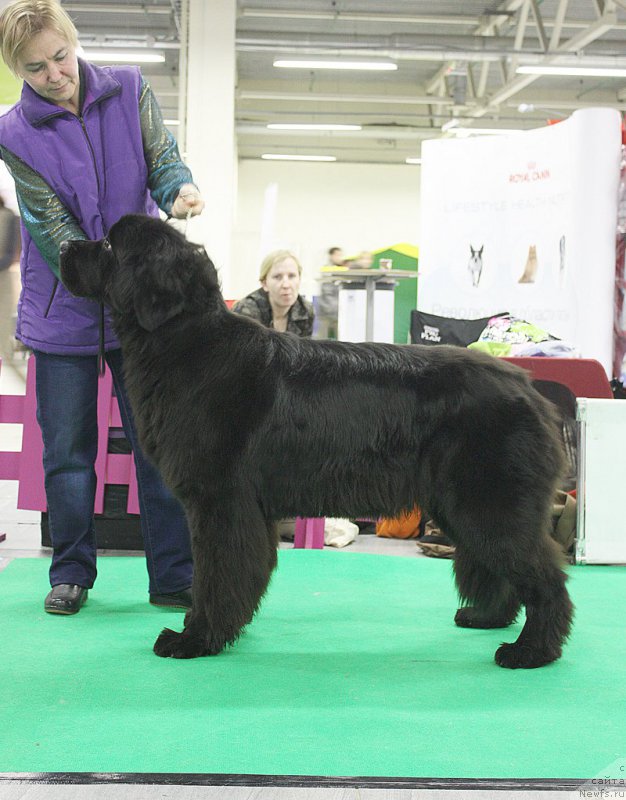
(486, 23)
(541, 31)
(118, 8)
(356, 16)
(573, 45)
(316, 97)
(559, 19)
(518, 43)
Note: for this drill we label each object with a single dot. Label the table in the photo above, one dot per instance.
(371, 277)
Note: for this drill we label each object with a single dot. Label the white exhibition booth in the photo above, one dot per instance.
(542, 207)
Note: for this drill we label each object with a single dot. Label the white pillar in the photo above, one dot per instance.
(207, 82)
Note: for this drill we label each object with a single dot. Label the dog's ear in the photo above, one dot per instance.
(155, 307)
(177, 276)
(161, 283)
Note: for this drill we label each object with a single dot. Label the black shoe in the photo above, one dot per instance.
(65, 598)
(180, 599)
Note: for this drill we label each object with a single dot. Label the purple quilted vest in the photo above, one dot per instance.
(96, 166)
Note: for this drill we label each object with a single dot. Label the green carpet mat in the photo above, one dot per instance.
(352, 667)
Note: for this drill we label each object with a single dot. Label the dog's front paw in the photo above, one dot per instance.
(179, 645)
(523, 656)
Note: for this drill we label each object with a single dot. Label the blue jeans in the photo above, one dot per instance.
(67, 393)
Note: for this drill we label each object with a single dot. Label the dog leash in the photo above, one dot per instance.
(186, 222)
(102, 365)
(187, 218)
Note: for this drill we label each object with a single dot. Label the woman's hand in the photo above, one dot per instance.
(189, 202)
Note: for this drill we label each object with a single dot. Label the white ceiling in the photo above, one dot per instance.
(456, 59)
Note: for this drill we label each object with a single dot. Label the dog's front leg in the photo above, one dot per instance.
(234, 556)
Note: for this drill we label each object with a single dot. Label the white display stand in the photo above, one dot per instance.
(352, 316)
(601, 525)
(366, 314)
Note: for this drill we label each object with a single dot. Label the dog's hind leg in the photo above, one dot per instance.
(505, 558)
(234, 554)
(514, 573)
(492, 601)
(540, 584)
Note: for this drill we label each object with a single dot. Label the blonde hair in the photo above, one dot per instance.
(21, 20)
(273, 258)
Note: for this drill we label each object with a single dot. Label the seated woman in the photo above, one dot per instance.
(278, 304)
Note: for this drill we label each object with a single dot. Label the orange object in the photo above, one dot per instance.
(405, 526)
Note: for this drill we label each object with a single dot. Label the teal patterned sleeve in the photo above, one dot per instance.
(46, 218)
(166, 171)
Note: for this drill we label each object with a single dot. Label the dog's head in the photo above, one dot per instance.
(144, 268)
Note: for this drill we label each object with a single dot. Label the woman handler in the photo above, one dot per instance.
(85, 145)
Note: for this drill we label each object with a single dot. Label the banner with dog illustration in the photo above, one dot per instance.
(526, 222)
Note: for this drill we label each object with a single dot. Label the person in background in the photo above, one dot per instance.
(364, 260)
(85, 145)
(9, 253)
(278, 304)
(328, 299)
(336, 257)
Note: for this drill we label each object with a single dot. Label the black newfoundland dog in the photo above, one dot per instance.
(248, 426)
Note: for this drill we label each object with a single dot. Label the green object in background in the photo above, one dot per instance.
(501, 349)
(402, 256)
(10, 86)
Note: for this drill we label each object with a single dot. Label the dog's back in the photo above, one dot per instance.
(373, 415)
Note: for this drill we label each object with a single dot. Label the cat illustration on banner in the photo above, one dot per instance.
(530, 270)
(475, 265)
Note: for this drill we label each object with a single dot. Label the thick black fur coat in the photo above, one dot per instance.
(248, 425)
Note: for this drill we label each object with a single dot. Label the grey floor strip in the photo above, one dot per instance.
(293, 781)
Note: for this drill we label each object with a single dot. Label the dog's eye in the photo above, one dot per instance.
(106, 244)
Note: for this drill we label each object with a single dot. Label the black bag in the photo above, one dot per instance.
(433, 329)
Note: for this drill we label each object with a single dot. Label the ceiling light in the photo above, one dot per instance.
(451, 123)
(138, 57)
(287, 157)
(310, 64)
(597, 72)
(413, 161)
(304, 126)
(171, 122)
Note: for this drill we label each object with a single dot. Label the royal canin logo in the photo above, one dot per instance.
(532, 174)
